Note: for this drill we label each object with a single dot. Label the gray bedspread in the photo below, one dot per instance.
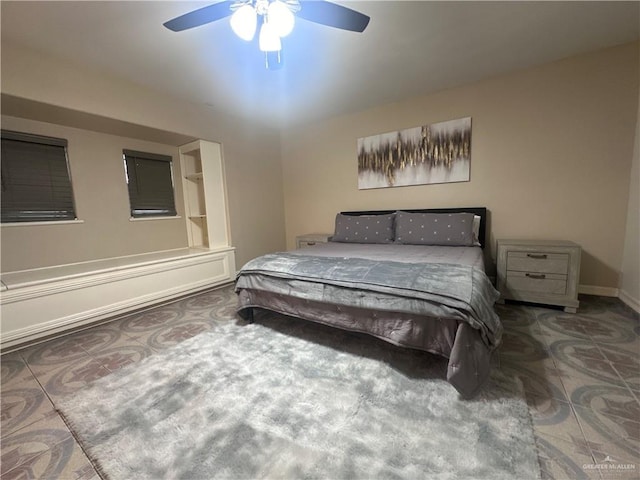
(402, 296)
(461, 287)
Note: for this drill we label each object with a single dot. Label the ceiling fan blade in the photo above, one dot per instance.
(333, 15)
(199, 17)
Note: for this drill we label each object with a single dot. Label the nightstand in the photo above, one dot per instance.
(539, 271)
(310, 239)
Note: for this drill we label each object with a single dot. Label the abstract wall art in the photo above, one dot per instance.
(436, 153)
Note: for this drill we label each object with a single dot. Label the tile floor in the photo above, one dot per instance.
(581, 374)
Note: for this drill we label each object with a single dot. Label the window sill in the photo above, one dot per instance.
(39, 224)
(146, 219)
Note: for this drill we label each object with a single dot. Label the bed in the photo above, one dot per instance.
(414, 278)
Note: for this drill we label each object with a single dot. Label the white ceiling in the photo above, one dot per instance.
(409, 48)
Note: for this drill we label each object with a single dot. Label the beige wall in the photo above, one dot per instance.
(102, 203)
(251, 154)
(551, 157)
(630, 282)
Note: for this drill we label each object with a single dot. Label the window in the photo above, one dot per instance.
(36, 184)
(150, 183)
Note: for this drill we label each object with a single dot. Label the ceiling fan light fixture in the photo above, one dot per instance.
(281, 18)
(269, 39)
(276, 18)
(244, 22)
(273, 60)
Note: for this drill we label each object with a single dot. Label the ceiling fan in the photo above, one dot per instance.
(276, 19)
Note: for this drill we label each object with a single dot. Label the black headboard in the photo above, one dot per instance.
(480, 211)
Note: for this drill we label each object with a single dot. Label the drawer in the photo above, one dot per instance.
(307, 243)
(538, 262)
(311, 239)
(544, 283)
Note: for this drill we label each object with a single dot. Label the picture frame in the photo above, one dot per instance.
(428, 154)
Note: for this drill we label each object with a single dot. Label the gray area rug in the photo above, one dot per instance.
(282, 398)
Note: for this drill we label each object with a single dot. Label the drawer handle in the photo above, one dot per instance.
(311, 243)
(540, 256)
(540, 276)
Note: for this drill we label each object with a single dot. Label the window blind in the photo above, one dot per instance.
(150, 183)
(36, 184)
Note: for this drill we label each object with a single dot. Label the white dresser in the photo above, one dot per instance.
(539, 271)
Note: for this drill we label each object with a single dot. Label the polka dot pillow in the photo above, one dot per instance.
(364, 228)
(452, 229)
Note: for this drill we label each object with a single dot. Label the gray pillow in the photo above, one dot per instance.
(453, 229)
(364, 228)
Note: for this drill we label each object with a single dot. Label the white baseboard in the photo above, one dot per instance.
(632, 302)
(596, 290)
(40, 309)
